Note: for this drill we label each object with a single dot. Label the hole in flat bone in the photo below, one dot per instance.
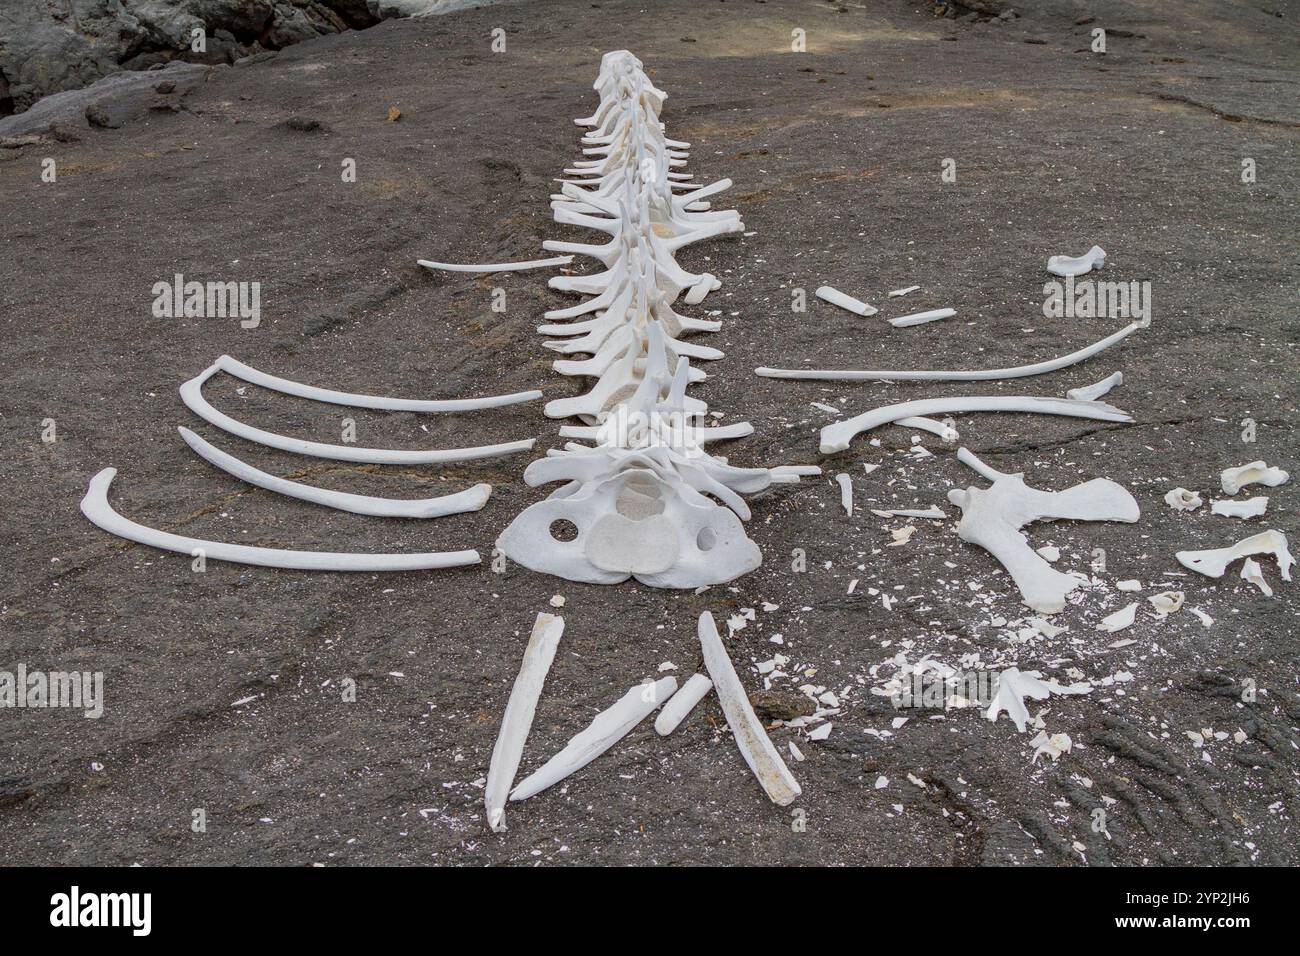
(562, 529)
(706, 539)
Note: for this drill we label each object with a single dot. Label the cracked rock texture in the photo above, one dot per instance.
(224, 690)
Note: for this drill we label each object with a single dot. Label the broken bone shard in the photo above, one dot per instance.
(920, 318)
(1180, 499)
(836, 437)
(608, 728)
(495, 266)
(1214, 563)
(836, 297)
(1167, 602)
(1053, 746)
(682, 703)
(1014, 685)
(1256, 473)
(897, 292)
(1121, 619)
(933, 512)
(992, 518)
(755, 746)
(1250, 508)
(1066, 266)
(846, 493)
(1254, 574)
(518, 718)
(1091, 393)
(472, 499)
(96, 508)
(984, 375)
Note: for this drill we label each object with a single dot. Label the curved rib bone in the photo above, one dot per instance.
(192, 396)
(495, 266)
(985, 375)
(836, 437)
(472, 499)
(96, 508)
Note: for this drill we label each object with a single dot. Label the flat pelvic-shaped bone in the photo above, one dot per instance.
(96, 508)
(992, 518)
(755, 746)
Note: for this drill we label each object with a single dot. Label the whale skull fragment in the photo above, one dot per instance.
(992, 518)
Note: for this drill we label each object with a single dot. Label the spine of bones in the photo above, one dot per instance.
(645, 497)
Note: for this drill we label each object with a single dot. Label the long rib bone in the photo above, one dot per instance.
(992, 518)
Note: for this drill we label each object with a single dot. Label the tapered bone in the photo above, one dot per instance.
(495, 266)
(847, 302)
(472, 499)
(518, 718)
(1093, 392)
(992, 518)
(1215, 562)
(920, 318)
(986, 375)
(608, 728)
(1066, 266)
(836, 437)
(754, 744)
(96, 508)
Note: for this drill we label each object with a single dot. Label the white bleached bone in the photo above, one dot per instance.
(192, 396)
(682, 703)
(836, 437)
(1250, 508)
(1214, 563)
(1121, 619)
(495, 266)
(982, 375)
(836, 297)
(471, 499)
(846, 493)
(1091, 393)
(606, 729)
(933, 512)
(921, 318)
(992, 518)
(518, 718)
(645, 498)
(96, 508)
(251, 375)
(1014, 685)
(1252, 573)
(1255, 473)
(755, 746)
(904, 291)
(1066, 266)
(945, 431)
(1167, 602)
(1180, 499)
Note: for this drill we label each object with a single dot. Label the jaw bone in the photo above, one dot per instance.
(645, 499)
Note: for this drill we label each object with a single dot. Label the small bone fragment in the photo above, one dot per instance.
(1214, 563)
(755, 746)
(985, 375)
(902, 535)
(920, 318)
(1204, 618)
(1130, 585)
(682, 703)
(836, 297)
(1252, 572)
(1053, 746)
(933, 512)
(821, 733)
(992, 518)
(836, 437)
(1121, 619)
(1180, 499)
(608, 728)
(96, 508)
(790, 474)
(942, 429)
(898, 292)
(1167, 602)
(1091, 393)
(518, 718)
(795, 752)
(1256, 473)
(1014, 685)
(1250, 508)
(496, 266)
(472, 499)
(1066, 266)
(846, 493)
(1049, 553)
